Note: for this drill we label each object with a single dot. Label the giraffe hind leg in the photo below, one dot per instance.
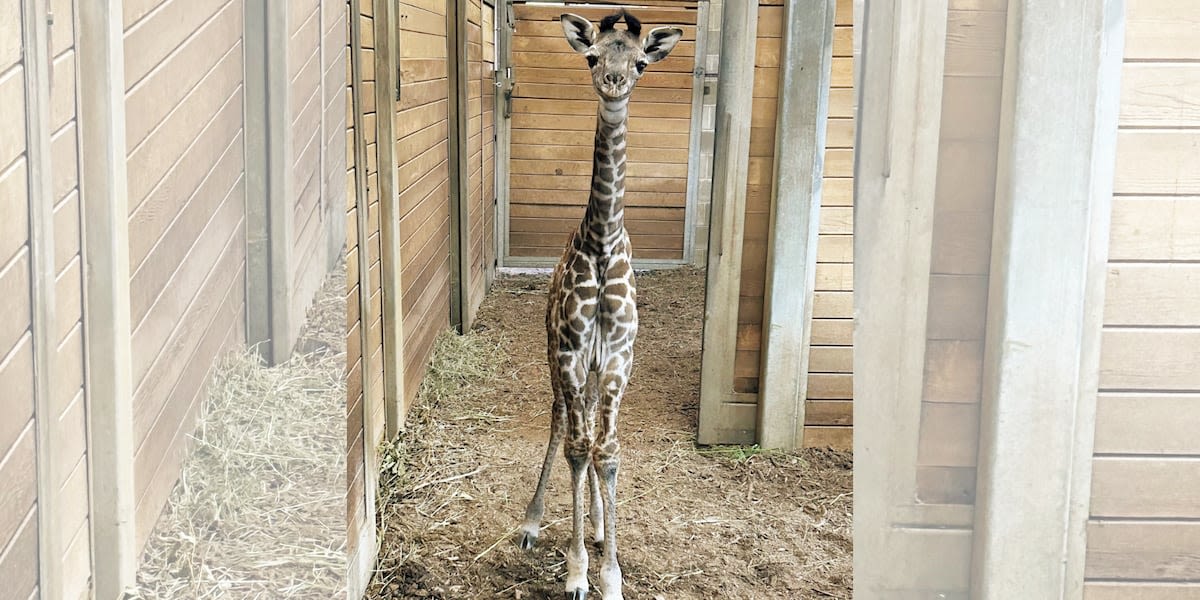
(531, 527)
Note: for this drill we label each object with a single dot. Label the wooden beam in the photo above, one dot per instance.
(360, 566)
(695, 130)
(897, 143)
(280, 195)
(731, 163)
(460, 209)
(387, 64)
(268, 186)
(104, 197)
(1054, 187)
(806, 67)
(37, 61)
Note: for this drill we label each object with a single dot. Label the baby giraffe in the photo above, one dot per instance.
(591, 314)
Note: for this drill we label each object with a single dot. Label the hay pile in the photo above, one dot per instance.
(260, 509)
(418, 466)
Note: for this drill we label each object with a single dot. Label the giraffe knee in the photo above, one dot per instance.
(577, 451)
(607, 458)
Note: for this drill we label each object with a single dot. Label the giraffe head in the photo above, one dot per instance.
(618, 57)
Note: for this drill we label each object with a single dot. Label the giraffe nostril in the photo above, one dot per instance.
(614, 78)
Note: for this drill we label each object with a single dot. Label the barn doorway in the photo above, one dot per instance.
(550, 114)
(454, 488)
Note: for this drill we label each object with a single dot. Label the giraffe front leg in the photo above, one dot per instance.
(530, 529)
(607, 461)
(606, 458)
(578, 451)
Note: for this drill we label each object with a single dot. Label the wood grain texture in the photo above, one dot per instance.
(422, 154)
(1124, 487)
(1147, 551)
(554, 110)
(1146, 453)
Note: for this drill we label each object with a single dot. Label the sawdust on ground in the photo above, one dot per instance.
(693, 522)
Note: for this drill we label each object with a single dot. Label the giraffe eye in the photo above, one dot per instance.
(641, 66)
(592, 60)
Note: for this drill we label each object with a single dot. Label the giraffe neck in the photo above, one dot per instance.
(604, 222)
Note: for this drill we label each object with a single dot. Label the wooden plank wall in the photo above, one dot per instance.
(828, 412)
(554, 122)
(961, 252)
(306, 71)
(422, 154)
(18, 496)
(1145, 514)
(335, 40)
(357, 369)
(487, 202)
(184, 71)
(479, 76)
(68, 395)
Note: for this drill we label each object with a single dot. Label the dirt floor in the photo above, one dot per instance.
(259, 509)
(716, 522)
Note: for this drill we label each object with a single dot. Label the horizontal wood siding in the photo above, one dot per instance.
(18, 467)
(828, 413)
(422, 155)
(372, 326)
(68, 397)
(554, 122)
(310, 230)
(477, 69)
(356, 322)
(487, 202)
(961, 252)
(186, 172)
(1145, 516)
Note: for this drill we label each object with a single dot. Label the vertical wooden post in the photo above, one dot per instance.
(268, 185)
(898, 131)
(387, 63)
(104, 197)
(1050, 243)
(731, 165)
(37, 58)
(691, 205)
(460, 209)
(806, 61)
(358, 572)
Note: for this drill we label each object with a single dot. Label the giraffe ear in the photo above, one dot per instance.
(660, 41)
(578, 30)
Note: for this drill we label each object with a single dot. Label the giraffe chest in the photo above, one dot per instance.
(594, 309)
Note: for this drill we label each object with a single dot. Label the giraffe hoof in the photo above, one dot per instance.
(576, 595)
(527, 540)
